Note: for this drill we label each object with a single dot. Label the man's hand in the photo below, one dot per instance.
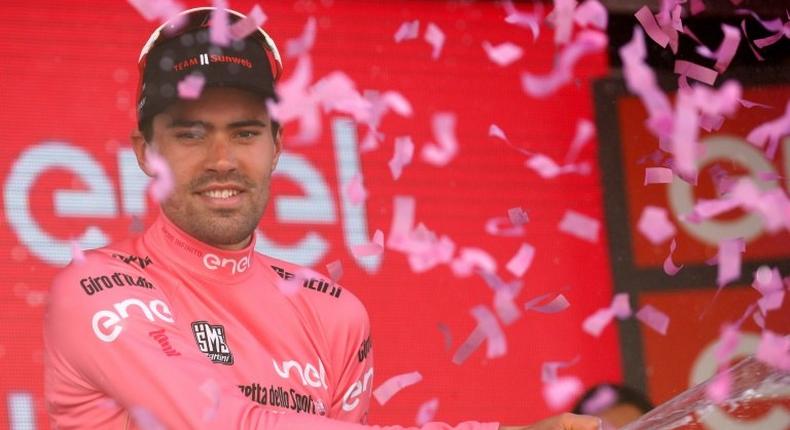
(562, 422)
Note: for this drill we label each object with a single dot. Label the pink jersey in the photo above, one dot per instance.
(164, 331)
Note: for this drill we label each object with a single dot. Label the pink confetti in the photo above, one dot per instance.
(719, 388)
(355, 191)
(404, 152)
(774, 350)
(435, 37)
(335, 270)
(145, 419)
(728, 48)
(470, 260)
(695, 71)
(407, 30)
(249, 24)
(580, 225)
(162, 10)
(446, 146)
(219, 30)
(297, 102)
(585, 130)
(669, 266)
(375, 247)
(658, 175)
(557, 304)
(501, 226)
(655, 226)
(162, 184)
(550, 369)
(729, 260)
(427, 411)
(393, 385)
(697, 6)
(597, 322)
(562, 18)
(402, 222)
(544, 166)
(560, 392)
(530, 21)
(604, 397)
(505, 307)
(503, 54)
(653, 318)
(517, 216)
(587, 42)
(771, 132)
(648, 22)
(728, 343)
(621, 306)
(495, 131)
(304, 43)
(685, 133)
(211, 389)
(520, 262)
(447, 335)
(469, 346)
(77, 256)
(191, 87)
(591, 12)
(496, 343)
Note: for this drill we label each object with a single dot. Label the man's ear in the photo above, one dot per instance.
(140, 146)
(278, 146)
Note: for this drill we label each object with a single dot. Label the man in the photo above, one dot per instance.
(186, 326)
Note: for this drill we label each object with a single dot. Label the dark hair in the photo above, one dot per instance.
(623, 396)
(147, 129)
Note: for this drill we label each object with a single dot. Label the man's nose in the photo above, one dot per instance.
(220, 155)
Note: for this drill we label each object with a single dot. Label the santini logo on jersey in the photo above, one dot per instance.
(213, 262)
(319, 285)
(308, 374)
(211, 341)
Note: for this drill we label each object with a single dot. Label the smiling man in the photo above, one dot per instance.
(186, 326)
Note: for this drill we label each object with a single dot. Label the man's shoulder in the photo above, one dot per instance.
(317, 290)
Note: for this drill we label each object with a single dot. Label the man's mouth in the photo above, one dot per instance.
(220, 193)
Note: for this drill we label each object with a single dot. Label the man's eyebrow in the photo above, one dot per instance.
(247, 123)
(186, 123)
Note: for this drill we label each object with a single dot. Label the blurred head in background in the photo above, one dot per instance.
(616, 405)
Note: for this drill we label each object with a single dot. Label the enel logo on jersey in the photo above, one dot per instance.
(106, 324)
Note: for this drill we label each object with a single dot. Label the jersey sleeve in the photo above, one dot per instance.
(122, 343)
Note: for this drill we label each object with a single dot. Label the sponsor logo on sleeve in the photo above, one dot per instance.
(364, 349)
(134, 260)
(211, 340)
(164, 342)
(308, 374)
(107, 324)
(319, 285)
(94, 284)
(213, 262)
(351, 398)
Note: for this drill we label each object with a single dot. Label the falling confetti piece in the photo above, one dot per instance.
(597, 322)
(355, 191)
(402, 156)
(769, 133)
(162, 184)
(503, 54)
(580, 225)
(393, 385)
(727, 344)
(729, 260)
(304, 43)
(495, 131)
(435, 37)
(728, 48)
(648, 22)
(219, 25)
(517, 216)
(719, 388)
(447, 335)
(145, 419)
(557, 304)
(669, 266)
(774, 350)
(530, 21)
(562, 18)
(585, 130)
(604, 397)
(249, 24)
(335, 270)
(163, 10)
(653, 318)
(191, 87)
(375, 247)
(407, 30)
(591, 13)
(520, 262)
(505, 307)
(496, 343)
(469, 346)
(77, 256)
(658, 175)
(655, 226)
(560, 392)
(501, 226)
(695, 71)
(446, 146)
(427, 411)
(621, 306)
(471, 260)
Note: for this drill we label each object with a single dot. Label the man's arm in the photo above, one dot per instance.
(122, 342)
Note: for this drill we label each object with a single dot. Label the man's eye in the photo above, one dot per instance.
(248, 134)
(189, 135)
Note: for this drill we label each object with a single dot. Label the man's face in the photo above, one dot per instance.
(222, 154)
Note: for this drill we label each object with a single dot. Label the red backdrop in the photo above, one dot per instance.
(68, 79)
